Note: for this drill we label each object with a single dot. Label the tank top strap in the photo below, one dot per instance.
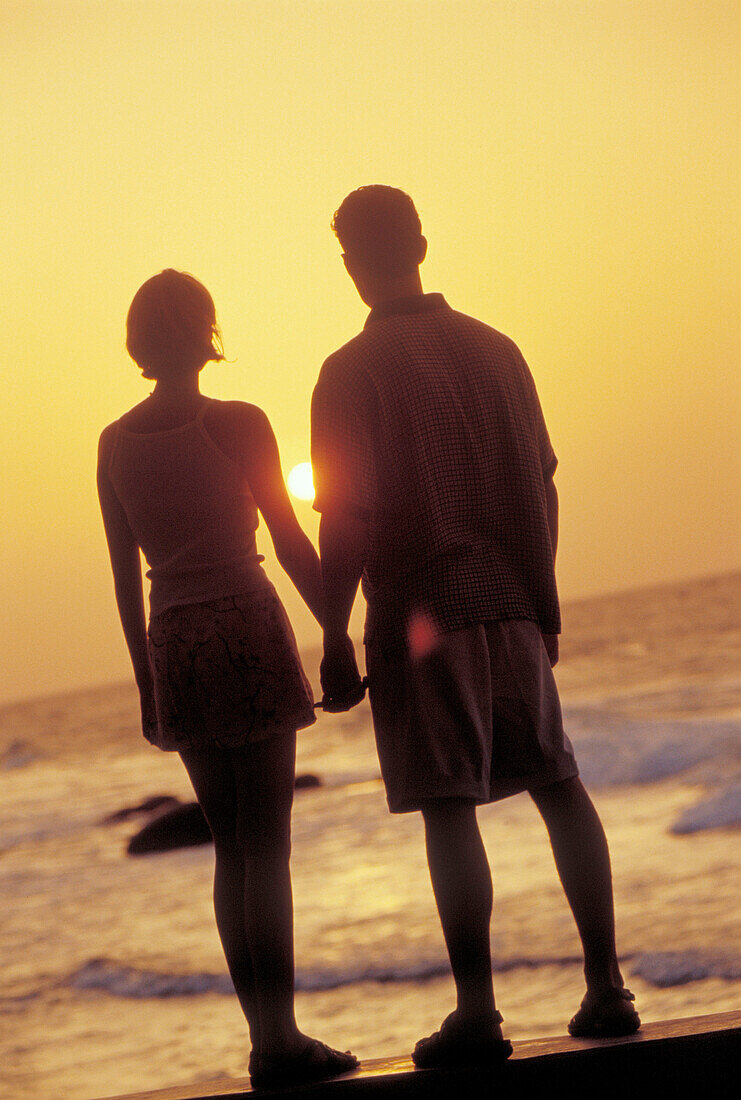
(206, 436)
(200, 427)
(207, 404)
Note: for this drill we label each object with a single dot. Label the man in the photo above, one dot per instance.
(434, 475)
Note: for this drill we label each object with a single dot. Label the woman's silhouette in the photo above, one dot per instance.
(181, 477)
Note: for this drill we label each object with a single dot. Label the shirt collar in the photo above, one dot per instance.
(420, 303)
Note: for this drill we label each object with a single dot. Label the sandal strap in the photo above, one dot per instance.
(618, 995)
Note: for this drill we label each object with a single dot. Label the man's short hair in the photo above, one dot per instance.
(379, 226)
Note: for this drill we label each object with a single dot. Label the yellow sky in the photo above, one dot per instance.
(575, 168)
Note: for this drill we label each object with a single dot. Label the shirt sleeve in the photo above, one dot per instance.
(548, 460)
(342, 455)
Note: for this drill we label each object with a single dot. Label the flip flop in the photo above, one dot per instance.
(611, 1016)
(453, 1046)
(316, 1062)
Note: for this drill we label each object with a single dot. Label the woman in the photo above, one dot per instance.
(181, 477)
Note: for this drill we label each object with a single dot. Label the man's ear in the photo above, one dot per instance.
(422, 249)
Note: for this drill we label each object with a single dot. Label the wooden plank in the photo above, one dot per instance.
(693, 1053)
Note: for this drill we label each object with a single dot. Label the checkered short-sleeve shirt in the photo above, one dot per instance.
(428, 425)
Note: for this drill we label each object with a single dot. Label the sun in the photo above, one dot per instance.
(301, 481)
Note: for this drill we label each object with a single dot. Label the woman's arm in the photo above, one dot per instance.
(127, 579)
(244, 433)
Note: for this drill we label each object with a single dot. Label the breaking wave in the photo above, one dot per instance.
(670, 968)
(613, 750)
(720, 810)
(661, 969)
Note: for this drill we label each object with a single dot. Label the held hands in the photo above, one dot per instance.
(341, 682)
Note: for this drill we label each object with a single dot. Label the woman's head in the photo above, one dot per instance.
(171, 325)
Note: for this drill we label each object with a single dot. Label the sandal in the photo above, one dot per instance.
(453, 1046)
(316, 1062)
(609, 1016)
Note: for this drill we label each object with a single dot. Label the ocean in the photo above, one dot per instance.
(113, 978)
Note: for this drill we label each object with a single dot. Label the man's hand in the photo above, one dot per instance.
(341, 682)
(550, 641)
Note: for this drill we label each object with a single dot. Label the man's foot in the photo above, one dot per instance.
(315, 1062)
(605, 1016)
(461, 1044)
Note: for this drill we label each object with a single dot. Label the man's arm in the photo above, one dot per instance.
(551, 499)
(342, 547)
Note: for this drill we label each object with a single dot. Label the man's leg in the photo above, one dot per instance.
(583, 862)
(461, 881)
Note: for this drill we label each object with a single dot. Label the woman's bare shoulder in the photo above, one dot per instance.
(235, 417)
(236, 426)
(234, 412)
(107, 438)
(137, 419)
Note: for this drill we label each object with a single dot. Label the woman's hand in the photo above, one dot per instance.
(148, 712)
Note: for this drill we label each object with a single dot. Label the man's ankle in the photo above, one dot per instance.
(478, 1018)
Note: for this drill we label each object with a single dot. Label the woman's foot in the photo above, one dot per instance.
(460, 1043)
(314, 1062)
(606, 1015)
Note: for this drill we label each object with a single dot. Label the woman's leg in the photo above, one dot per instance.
(264, 775)
(212, 774)
(247, 795)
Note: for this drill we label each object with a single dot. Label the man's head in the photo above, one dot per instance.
(381, 236)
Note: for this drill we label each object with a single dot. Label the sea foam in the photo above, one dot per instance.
(672, 968)
(662, 969)
(614, 750)
(719, 810)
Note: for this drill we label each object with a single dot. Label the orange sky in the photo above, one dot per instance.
(575, 168)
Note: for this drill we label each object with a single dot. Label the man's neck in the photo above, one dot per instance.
(389, 290)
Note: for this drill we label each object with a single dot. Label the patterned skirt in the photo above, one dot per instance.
(226, 672)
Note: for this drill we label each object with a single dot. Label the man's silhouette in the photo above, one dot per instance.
(434, 475)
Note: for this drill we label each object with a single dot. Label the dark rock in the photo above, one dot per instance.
(156, 802)
(181, 826)
(18, 755)
(307, 782)
(178, 824)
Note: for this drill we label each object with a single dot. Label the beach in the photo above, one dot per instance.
(114, 978)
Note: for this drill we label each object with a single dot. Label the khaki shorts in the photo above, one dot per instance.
(478, 717)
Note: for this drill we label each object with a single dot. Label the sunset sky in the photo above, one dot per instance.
(575, 166)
